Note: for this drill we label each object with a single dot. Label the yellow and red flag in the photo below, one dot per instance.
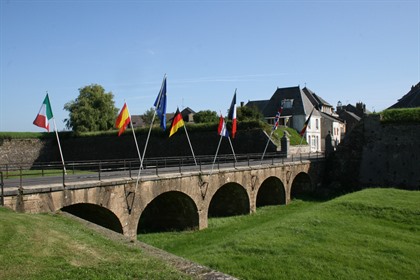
(123, 119)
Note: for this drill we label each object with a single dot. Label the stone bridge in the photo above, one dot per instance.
(174, 201)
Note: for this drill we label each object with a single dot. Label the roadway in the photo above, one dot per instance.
(84, 174)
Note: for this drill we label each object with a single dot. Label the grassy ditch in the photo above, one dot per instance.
(56, 247)
(371, 234)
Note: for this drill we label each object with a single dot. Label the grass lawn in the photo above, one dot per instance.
(46, 246)
(371, 234)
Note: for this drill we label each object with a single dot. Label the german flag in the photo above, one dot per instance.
(177, 122)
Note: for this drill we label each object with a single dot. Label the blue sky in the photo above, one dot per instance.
(348, 51)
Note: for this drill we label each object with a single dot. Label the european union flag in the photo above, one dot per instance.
(160, 104)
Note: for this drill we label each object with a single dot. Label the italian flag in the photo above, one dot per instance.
(44, 114)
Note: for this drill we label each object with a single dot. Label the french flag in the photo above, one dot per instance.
(222, 130)
(232, 114)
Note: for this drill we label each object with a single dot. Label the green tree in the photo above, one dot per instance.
(246, 113)
(148, 116)
(92, 110)
(205, 116)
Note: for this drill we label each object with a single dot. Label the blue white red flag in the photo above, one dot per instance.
(222, 129)
(232, 114)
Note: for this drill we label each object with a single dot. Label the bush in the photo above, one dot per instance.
(406, 115)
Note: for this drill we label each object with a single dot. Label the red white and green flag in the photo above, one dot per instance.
(44, 114)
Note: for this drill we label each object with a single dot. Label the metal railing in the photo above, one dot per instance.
(47, 173)
(2, 188)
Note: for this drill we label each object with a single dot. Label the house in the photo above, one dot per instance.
(350, 114)
(330, 121)
(188, 114)
(410, 100)
(137, 121)
(296, 109)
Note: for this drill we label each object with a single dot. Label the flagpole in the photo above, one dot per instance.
(234, 156)
(305, 126)
(215, 156)
(59, 146)
(137, 146)
(151, 124)
(301, 140)
(266, 146)
(192, 151)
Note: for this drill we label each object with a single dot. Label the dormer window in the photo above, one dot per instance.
(287, 103)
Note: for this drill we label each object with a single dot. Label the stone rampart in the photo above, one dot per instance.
(375, 154)
(114, 147)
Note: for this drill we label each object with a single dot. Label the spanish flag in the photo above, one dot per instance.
(123, 119)
(177, 122)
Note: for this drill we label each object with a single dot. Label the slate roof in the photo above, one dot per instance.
(301, 103)
(345, 115)
(137, 121)
(315, 99)
(410, 100)
(187, 111)
(333, 118)
(259, 104)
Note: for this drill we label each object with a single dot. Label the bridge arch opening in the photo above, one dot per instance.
(301, 186)
(170, 211)
(229, 200)
(95, 214)
(271, 192)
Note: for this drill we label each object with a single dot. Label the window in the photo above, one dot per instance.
(316, 124)
(287, 103)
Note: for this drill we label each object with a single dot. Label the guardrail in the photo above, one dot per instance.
(42, 173)
(2, 188)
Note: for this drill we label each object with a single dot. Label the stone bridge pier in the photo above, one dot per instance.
(176, 201)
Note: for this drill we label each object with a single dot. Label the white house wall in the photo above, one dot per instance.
(313, 134)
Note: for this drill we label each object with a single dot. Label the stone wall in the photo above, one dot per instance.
(376, 155)
(22, 150)
(114, 147)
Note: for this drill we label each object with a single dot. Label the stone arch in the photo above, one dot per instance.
(169, 211)
(271, 192)
(301, 186)
(231, 199)
(96, 214)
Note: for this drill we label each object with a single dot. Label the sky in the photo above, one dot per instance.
(343, 50)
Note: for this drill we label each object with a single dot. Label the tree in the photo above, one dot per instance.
(205, 116)
(92, 110)
(148, 116)
(246, 113)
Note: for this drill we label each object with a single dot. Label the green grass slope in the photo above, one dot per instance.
(56, 247)
(371, 234)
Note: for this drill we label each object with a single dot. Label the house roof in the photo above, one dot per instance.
(345, 115)
(137, 120)
(187, 111)
(301, 103)
(410, 100)
(315, 99)
(331, 117)
(259, 104)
